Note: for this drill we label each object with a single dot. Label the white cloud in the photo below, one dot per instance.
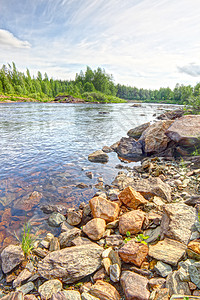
(7, 39)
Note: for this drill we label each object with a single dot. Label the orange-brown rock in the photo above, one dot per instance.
(132, 198)
(134, 252)
(6, 217)
(104, 209)
(131, 221)
(104, 291)
(95, 228)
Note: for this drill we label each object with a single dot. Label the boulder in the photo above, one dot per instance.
(171, 115)
(11, 257)
(72, 263)
(134, 286)
(168, 251)
(185, 131)
(98, 156)
(137, 131)
(104, 209)
(177, 222)
(154, 139)
(129, 148)
(133, 252)
(131, 221)
(95, 228)
(28, 202)
(48, 288)
(131, 198)
(104, 291)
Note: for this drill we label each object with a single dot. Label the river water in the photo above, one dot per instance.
(44, 147)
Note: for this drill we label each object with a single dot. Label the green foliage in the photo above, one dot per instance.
(128, 237)
(26, 240)
(141, 238)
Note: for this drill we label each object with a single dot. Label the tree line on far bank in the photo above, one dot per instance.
(91, 85)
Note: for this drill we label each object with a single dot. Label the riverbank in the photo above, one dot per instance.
(137, 238)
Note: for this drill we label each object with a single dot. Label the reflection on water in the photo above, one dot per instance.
(44, 148)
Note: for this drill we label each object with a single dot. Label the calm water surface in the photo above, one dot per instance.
(44, 147)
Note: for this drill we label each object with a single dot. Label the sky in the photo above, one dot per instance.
(143, 43)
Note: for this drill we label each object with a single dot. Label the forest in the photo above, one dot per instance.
(91, 85)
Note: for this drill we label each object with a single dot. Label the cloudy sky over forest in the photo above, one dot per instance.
(143, 43)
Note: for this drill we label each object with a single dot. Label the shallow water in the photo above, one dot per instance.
(44, 147)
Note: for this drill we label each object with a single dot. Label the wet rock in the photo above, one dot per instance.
(131, 221)
(168, 251)
(89, 175)
(137, 131)
(185, 131)
(176, 286)
(86, 296)
(154, 139)
(28, 202)
(54, 244)
(104, 290)
(55, 219)
(171, 115)
(11, 257)
(74, 217)
(82, 185)
(162, 269)
(134, 286)
(72, 263)
(129, 148)
(177, 221)
(132, 198)
(50, 287)
(65, 238)
(66, 295)
(133, 252)
(104, 209)
(107, 149)
(14, 296)
(95, 228)
(26, 288)
(98, 156)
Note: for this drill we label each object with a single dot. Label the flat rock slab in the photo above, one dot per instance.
(72, 263)
(177, 221)
(168, 251)
(185, 131)
(134, 286)
(11, 257)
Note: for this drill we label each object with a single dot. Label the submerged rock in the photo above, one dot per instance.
(98, 156)
(28, 202)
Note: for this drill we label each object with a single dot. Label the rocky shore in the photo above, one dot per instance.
(138, 238)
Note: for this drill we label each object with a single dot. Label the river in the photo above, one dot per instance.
(44, 147)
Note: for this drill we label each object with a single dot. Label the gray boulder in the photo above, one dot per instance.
(129, 148)
(72, 263)
(11, 257)
(98, 156)
(137, 131)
